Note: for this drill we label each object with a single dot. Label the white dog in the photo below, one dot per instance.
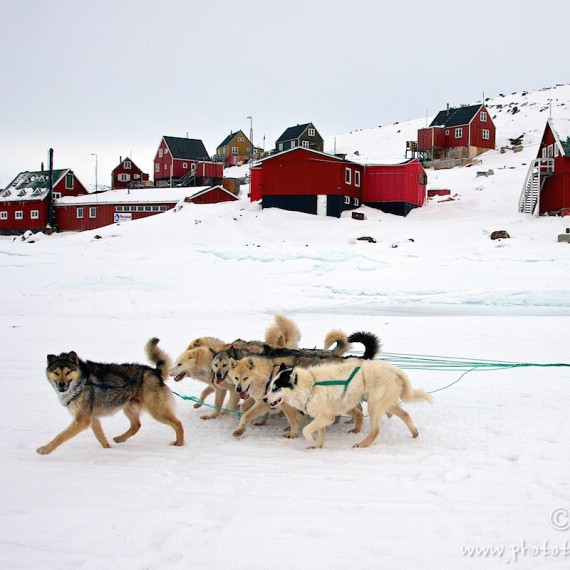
(328, 390)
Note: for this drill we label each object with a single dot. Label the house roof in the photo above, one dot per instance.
(455, 117)
(135, 196)
(293, 133)
(561, 131)
(133, 165)
(230, 137)
(31, 185)
(191, 149)
(302, 149)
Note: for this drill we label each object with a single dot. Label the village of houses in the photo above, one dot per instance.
(296, 175)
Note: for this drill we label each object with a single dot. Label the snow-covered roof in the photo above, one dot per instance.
(30, 186)
(133, 196)
(561, 131)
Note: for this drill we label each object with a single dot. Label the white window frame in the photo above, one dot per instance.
(280, 146)
(19, 215)
(357, 178)
(34, 215)
(69, 181)
(123, 177)
(127, 164)
(486, 133)
(3, 215)
(459, 132)
(92, 212)
(305, 144)
(311, 132)
(160, 153)
(550, 151)
(446, 132)
(157, 167)
(79, 213)
(347, 200)
(241, 139)
(235, 150)
(293, 144)
(56, 195)
(555, 151)
(483, 117)
(356, 202)
(348, 176)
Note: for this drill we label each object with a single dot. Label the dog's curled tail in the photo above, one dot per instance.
(411, 394)
(339, 339)
(284, 333)
(158, 357)
(371, 342)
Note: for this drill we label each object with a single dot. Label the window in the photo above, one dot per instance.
(293, 144)
(35, 214)
(79, 213)
(124, 177)
(56, 195)
(550, 151)
(347, 200)
(92, 212)
(69, 181)
(483, 117)
(311, 132)
(348, 175)
(127, 164)
(458, 133)
(280, 146)
(184, 165)
(157, 167)
(3, 215)
(136, 176)
(163, 208)
(357, 178)
(240, 139)
(486, 134)
(160, 153)
(119, 209)
(148, 208)
(235, 150)
(356, 202)
(19, 215)
(446, 132)
(305, 144)
(556, 151)
(422, 179)
(155, 208)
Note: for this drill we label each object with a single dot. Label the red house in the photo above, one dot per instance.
(25, 203)
(116, 206)
(185, 162)
(546, 189)
(313, 182)
(460, 133)
(128, 175)
(395, 188)
(309, 181)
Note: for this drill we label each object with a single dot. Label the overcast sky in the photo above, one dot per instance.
(111, 77)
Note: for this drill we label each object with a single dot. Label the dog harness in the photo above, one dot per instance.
(344, 383)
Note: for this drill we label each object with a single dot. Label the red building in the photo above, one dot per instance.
(546, 189)
(185, 162)
(459, 133)
(116, 206)
(313, 182)
(395, 188)
(25, 203)
(128, 175)
(309, 181)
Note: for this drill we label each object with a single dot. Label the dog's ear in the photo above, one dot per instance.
(250, 363)
(213, 352)
(282, 367)
(233, 363)
(51, 358)
(294, 377)
(73, 357)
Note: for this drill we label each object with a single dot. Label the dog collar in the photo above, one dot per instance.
(67, 397)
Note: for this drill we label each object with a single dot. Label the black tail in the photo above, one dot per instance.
(371, 342)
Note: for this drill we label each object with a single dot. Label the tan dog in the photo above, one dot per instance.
(330, 389)
(90, 390)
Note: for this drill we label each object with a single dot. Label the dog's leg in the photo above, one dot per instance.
(203, 395)
(233, 400)
(132, 411)
(320, 422)
(255, 411)
(99, 434)
(376, 411)
(358, 417)
(291, 415)
(161, 407)
(77, 426)
(405, 417)
(218, 403)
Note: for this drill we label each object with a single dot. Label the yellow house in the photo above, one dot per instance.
(234, 149)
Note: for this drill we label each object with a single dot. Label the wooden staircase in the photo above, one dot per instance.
(539, 170)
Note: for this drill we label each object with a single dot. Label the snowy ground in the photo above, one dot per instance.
(488, 469)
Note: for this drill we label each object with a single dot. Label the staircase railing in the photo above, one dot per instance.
(539, 170)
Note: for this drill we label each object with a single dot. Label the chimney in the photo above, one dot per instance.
(42, 165)
(448, 108)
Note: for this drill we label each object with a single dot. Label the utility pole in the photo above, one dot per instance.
(251, 138)
(96, 168)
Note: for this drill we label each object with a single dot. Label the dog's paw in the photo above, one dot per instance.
(210, 416)
(196, 406)
(177, 443)
(354, 430)
(415, 433)
(44, 450)
(238, 432)
(291, 435)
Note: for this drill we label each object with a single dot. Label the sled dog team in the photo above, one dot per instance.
(257, 377)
